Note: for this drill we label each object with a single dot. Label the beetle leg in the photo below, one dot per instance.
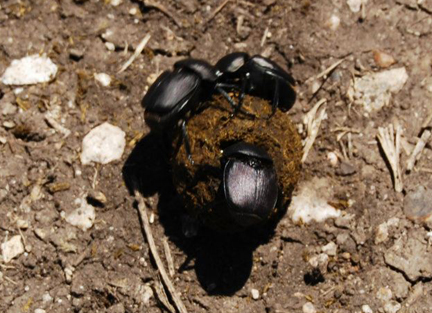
(275, 102)
(186, 142)
(226, 96)
(242, 94)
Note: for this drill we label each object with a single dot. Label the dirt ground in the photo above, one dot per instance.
(108, 268)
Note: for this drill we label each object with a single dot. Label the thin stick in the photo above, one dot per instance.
(169, 258)
(216, 11)
(415, 155)
(165, 278)
(312, 121)
(137, 52)
(164, 10)
(160, 293)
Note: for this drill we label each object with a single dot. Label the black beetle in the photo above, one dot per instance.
(258, 76)
(176, 94)
(249, 183)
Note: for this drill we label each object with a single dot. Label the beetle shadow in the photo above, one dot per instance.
(222, 261)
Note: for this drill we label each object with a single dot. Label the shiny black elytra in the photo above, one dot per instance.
(249, 183)
(258, 76)
(178, 93)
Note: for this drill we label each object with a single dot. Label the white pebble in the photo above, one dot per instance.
(333, 158)
(308, 308)
(255, 294)
(103, 79)
(366, 309)
(115, 3)
(133, 11)
(12, 248)
(392, 307)
(355, 5)
(110, 46)
(330, 249)
(83, 217)
(47, 298)
(39, 311)
(333, 22)
(30, 70)
(103, 144)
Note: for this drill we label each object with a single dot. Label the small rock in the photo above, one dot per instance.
(311, 202)
(308, 308)
(68, 271)
(346, 169)
(147, 295)
(22, 224)
(30, 70)
(320, 262)
(103, 144)
(375, 89)
(39, 311)
(115, 3)
(76, 54)
(384, 294)
(417, 205)
(330, 249)
(333, 22)
(12, 248)
(116, 308)
(355, 5)
(366, 309)
(110, 46)
(255, 294)
(383, 59)
(392, 307)
(333, 158)
(83, 217)
(410, 255)
(103, 79)
(381, 233)
(8, 108)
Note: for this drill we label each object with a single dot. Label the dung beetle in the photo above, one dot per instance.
(258, 76)
(249, 183)
(177, 94)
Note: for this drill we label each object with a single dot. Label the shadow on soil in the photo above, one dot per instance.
(223, 261)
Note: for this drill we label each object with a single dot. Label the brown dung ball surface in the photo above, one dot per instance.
(214, 129)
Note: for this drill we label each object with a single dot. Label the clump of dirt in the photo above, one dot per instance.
(215, 129)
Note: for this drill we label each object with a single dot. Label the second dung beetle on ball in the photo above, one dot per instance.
(176, 94)
(258, 76)
(249, 183)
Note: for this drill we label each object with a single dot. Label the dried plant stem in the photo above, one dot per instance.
(164, 275)
(312, 122)
(418, 149)
(391, 147)
(137, 52)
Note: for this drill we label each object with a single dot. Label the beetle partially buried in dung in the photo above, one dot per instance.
(240, 160)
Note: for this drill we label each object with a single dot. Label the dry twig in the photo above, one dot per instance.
(215, 12)
(415, 155)
(312, 121)
(137, 52)
(160, 293)
(391, 147)
(164, 10)
(169, 258)
(165, 278)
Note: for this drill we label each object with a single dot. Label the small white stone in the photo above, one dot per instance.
(12, 248)
(133, 11)
(47, 298)
(83, 217)
(255, 294)
(355, 5)
(392, 307)
(39, 311)
(69, 270)
(103, 144)
(115, 3)
(333, 22)
(384, 294)
(330, 249)
(381, 233)
(366, 309)
(30, 70)
(110, 46)
(308, 308)
(22, 224)
(333, 158)
(311, 202)
(147, 295)
(320, 261)
(103, 79)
